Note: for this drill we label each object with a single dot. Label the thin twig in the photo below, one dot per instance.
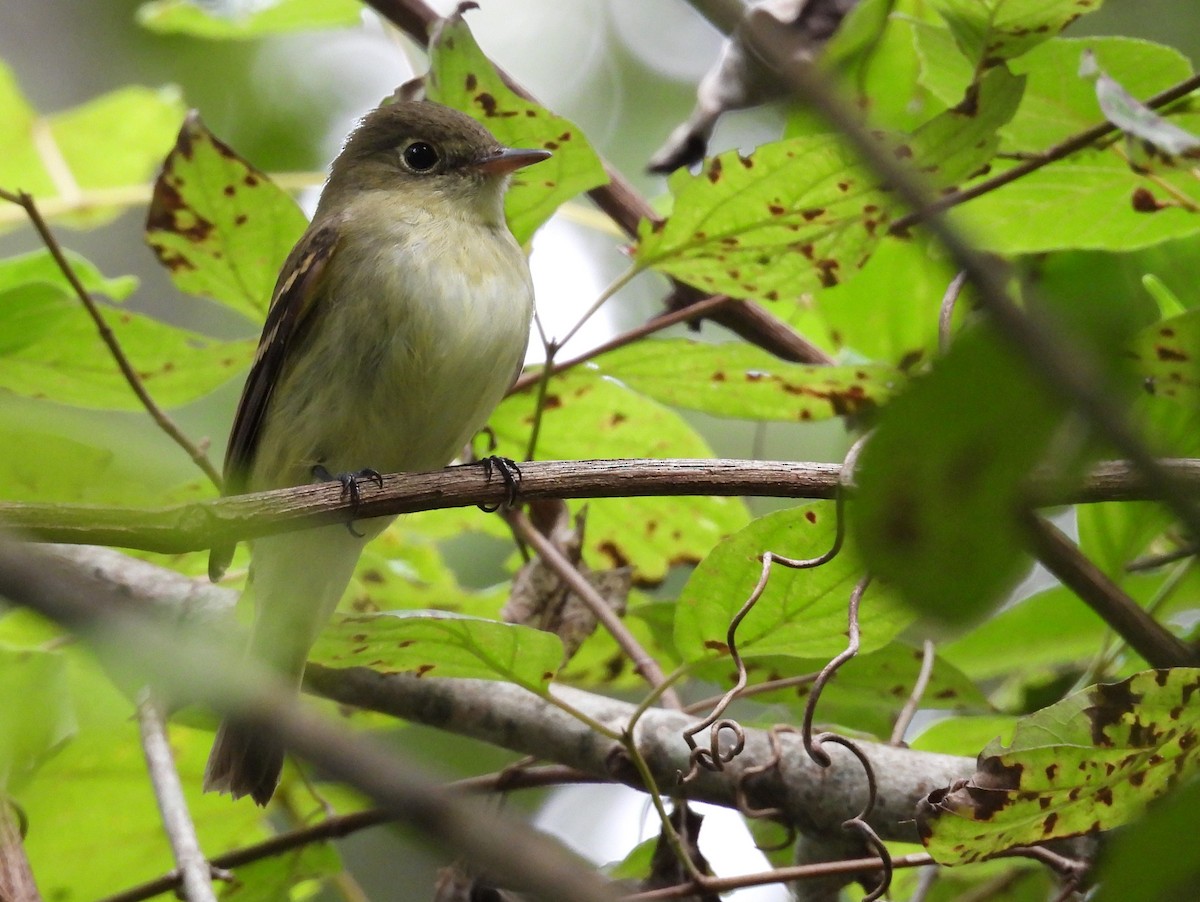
(159, 416)
(905, 717)
(195, 874)
(1059, 151)
(643, 663)
(946, 313)
(657, 324)
(1126, 617)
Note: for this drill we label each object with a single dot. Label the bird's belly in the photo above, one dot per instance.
(409, 390)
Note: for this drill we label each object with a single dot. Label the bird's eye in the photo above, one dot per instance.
(420, 156)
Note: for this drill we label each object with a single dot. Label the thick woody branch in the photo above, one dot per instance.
(199, 525)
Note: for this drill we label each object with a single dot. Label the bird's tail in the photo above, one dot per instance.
(296, 580)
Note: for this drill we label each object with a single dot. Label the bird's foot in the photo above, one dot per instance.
(510, 475)
(350, 487)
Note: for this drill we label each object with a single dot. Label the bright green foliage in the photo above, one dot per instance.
(1088, 763)
(36, 718)
(442, 645)
(462, 77)
(219, 226)
(789, 218)
(227, 21)
(988, 31)
(740, 380)
(113, 141)
(1168, 358)
(586, 418)
(929, 482)
(50, 347)
(801, 613)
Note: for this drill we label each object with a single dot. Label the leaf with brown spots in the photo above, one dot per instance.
(589, 417)
(441, 644)
(220, 227)
(794, 216)
(50, 350)
(989, 31)
(1090, 762)
(1167, 358)
(461, 76)
(733, 379)
(802, 613)
(941, 481)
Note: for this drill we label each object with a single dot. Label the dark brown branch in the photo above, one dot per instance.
(624, 206)
(1058, 152)
(1126, 617)
(165, 423)
(197, 526)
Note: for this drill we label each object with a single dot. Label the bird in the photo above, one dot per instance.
(397, 323)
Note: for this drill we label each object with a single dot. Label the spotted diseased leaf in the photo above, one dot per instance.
(1086, 764)
(738, 380)
(793, 216)
(228, 21)
(801, 613)
(989, 31)
(1167, 357)
(434, 643)
(461, 76)
(589, 417)
(220, 226)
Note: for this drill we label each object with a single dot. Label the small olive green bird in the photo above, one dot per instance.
(398, 321)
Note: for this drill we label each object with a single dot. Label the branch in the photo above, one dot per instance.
(190, 670)
(621, 202)
(196, 526)
(194, 870)
(16, 877)
(1124, 615)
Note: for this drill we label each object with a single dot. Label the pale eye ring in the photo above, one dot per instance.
(420, 156)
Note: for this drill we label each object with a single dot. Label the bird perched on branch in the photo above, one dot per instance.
(398, 321)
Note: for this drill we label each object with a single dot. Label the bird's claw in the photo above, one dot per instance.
(510, 475)
(349, 482)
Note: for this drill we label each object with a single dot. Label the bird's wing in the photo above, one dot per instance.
(291, 305)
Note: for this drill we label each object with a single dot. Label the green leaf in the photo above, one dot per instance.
(801, 613)
(734, 379)
(1143, 863)
(963, 735)
(461, 76)
(1167, 357)
(219, 226)
(988, 31)
(51, 349)
(793, 216)
(589, 417)
(39, 267)
(1059, 104)
(281, 875)
(234, 20)
(1086, 764)
(36, 718)
(1090, 200)
(113, 141)
(941, 524)
(441, 644)
(1132, 116)
(962, 140)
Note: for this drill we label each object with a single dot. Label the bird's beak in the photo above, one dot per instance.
(510, 159)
